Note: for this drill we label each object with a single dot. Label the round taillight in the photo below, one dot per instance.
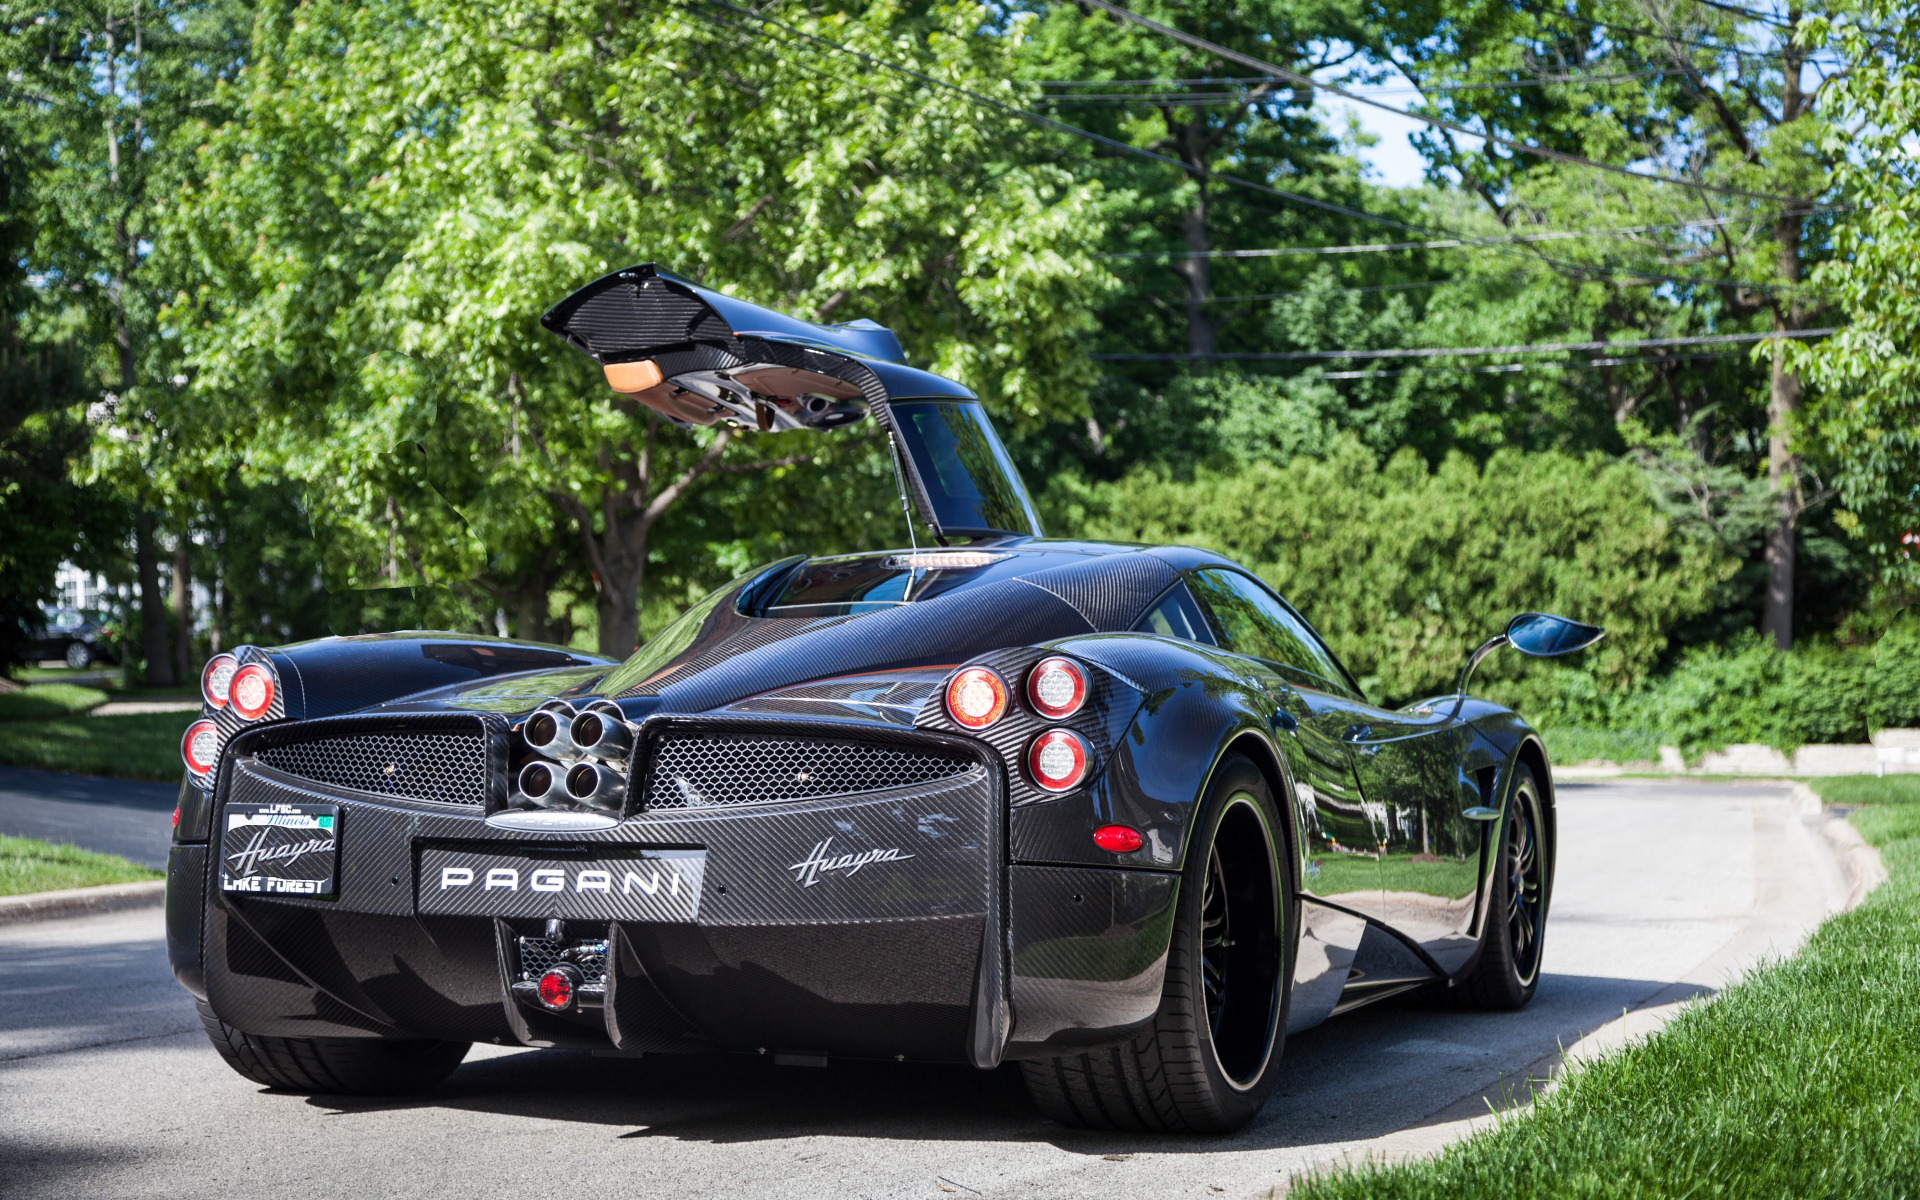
(200, 747)
(557, 987)
(1118, 838)
(1058, 760)
(251, 691)
(976, 697)
(1057, 687)
(216, 679)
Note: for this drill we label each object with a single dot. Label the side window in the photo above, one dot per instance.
(1253, 621)
(1176, 616)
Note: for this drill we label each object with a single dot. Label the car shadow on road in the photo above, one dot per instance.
(1387, 1067)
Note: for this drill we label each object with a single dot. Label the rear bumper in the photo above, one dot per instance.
(934, 949)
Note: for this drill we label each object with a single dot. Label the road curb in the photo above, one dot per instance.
(76, 902)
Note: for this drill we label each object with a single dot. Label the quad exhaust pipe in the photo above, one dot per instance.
(596, 786)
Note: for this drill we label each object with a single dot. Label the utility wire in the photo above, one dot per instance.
(1197, 172)
(1505, 368)
(1468, 351)
(1063, 127)
(1444, 243)
(1639, 31)
(1300, 80)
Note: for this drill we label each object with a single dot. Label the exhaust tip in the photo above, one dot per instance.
(537, 782)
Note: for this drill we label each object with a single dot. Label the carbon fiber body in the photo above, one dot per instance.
(820, 859)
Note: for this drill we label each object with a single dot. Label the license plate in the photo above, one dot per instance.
(281, 849)
(638, 885)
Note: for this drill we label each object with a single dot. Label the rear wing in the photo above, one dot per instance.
(699, 358)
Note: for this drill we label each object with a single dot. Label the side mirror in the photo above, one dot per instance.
(1538, 635)
(1543, 635)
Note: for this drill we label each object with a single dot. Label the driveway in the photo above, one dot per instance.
(108, 1088)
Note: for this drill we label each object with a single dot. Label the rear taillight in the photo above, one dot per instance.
(1057, 687)
(200, 747)
(1058, 760)
(251, 691)
(216, 679)
(976, 697)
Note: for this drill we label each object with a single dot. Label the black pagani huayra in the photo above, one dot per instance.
(1113, 812)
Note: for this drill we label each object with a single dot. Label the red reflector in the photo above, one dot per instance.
(176, 816)
(200, 746)
(556, 989)
(1057, 687)
(1118, 838)
(1058, 760)
(251, 691)
(976, 697)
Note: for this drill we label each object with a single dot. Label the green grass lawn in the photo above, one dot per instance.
(27, 865)
(1801, 1080)
(48, 700)
(130, 746)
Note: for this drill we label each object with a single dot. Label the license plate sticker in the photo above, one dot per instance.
(646, 885)
(281, 849)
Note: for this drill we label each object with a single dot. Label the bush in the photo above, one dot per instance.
(1749, 691)
(1405, 568)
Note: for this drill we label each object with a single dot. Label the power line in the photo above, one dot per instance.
(1201, 173)
(1063, 127)
(1490, 85)
(1467, 351)
(1300, 80)
(1443, 243)
(1506, 368)
(1639, 31)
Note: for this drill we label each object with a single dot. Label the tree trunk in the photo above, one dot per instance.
(153, 613)
(1198, 271)
(183, 606)
(1783, 401)
(530, 611)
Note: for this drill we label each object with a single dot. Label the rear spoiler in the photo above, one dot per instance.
(699, 358)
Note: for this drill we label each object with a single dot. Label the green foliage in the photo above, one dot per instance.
(1867, 424)
(28, 865)
(1778, 1086)
(48, 700)
(1404, 569)
(1749, 691)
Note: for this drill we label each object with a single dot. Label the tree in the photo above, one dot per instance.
(42, 390)
(104, 86)
(404, 187)
(1729, 102)
(1865, 422)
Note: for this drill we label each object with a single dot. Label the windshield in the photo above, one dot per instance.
(973, 486)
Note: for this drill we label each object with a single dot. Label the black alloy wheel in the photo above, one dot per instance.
(1507, 969)
(1208, 1060)
(1526, 892)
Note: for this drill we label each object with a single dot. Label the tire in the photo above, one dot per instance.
(1507, 969)
(79, 655)
(1208, 1061)
(334, 1066)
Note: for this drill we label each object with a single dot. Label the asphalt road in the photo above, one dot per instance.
(108, 1088)
(114, 816)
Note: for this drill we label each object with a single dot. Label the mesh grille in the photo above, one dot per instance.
(446, 766)
(537, 954)
(714, 770)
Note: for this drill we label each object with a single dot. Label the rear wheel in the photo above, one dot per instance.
(1208, 1060)
(79, 655)
(1508, 969)
(334, 1066)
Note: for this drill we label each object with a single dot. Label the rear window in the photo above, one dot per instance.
(973, 485)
